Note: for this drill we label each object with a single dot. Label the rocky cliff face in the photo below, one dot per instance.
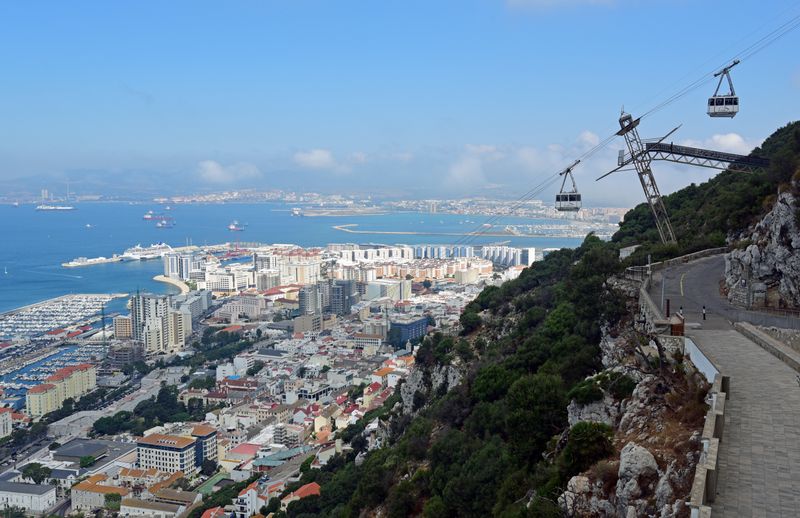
(424, 384)
(768, 270)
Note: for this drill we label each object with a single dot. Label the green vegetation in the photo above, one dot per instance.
(36, 472)
(256, 368)
(87, 461)
(207, 383)
(163, 408)
(221, 498)
(209, 467)
(478, 449)
(113, 501)
(704, 215)
(618, 385)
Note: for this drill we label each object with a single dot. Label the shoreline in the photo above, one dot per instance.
(349, 228)
(182, 286)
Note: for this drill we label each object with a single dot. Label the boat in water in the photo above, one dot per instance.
(47, 207)
(296, 211)
(235, 226)
(165, 222)
(83, 261)
(142, 253)
(149, 215)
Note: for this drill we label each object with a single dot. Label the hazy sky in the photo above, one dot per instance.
(443, 97)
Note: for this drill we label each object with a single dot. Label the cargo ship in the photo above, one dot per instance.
(235, 226)
(54, 207)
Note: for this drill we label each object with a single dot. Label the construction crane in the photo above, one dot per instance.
(641, 153)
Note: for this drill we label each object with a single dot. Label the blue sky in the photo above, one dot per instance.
(437, 97)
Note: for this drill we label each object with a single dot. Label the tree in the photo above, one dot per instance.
(209, 467)
(112, 501)
(54, 446)
(87, 460)
(306, 465)
(256, 368)
(470, 321)
(36, 472)
(13, 512)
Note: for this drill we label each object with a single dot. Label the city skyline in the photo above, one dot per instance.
(424, 100)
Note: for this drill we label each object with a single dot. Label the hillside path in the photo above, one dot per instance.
(759, 456)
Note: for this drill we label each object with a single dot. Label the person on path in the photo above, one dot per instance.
(704, 312)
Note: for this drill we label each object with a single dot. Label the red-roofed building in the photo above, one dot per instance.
(214, 512)
(312, 489)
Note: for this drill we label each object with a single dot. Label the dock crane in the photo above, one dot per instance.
(641, 153)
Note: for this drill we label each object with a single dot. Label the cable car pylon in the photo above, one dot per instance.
(642, 153)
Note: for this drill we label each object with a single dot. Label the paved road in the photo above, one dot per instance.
(696, 284)
(759, 458)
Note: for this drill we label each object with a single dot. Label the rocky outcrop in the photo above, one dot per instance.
(425, 383)
(771, 262)
(605, 411)
(638, 474)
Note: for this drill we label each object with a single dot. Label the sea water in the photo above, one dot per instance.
(37, 242)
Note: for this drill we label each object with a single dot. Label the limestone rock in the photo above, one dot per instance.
(636, 464)
(428, 382)
(603, 411)
(772, 260)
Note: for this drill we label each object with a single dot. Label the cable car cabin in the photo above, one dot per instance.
(568, 202)
(723, 106)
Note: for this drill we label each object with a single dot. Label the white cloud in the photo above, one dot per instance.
(727, 142)
(466, 172)
(315, 159)
(480, 149)
(403, 156)
(487, 152)
(212, 171)
(358, 157)
(588, 138)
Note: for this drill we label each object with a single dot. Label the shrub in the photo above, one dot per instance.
(585, 392)
(587, 444)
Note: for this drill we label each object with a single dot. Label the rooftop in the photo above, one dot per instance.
(155, 506)
(27, 489)
(158, 439)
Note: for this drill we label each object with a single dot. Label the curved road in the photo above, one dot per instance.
(759, 457)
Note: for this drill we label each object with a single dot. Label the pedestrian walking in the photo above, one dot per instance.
(680, 311)
(704, 312)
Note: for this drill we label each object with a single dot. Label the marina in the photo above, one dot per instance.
(33, 369)
(36, 320)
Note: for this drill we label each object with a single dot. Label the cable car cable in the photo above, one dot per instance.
(749, 51)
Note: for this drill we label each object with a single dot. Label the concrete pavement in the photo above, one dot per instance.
(759, 456)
